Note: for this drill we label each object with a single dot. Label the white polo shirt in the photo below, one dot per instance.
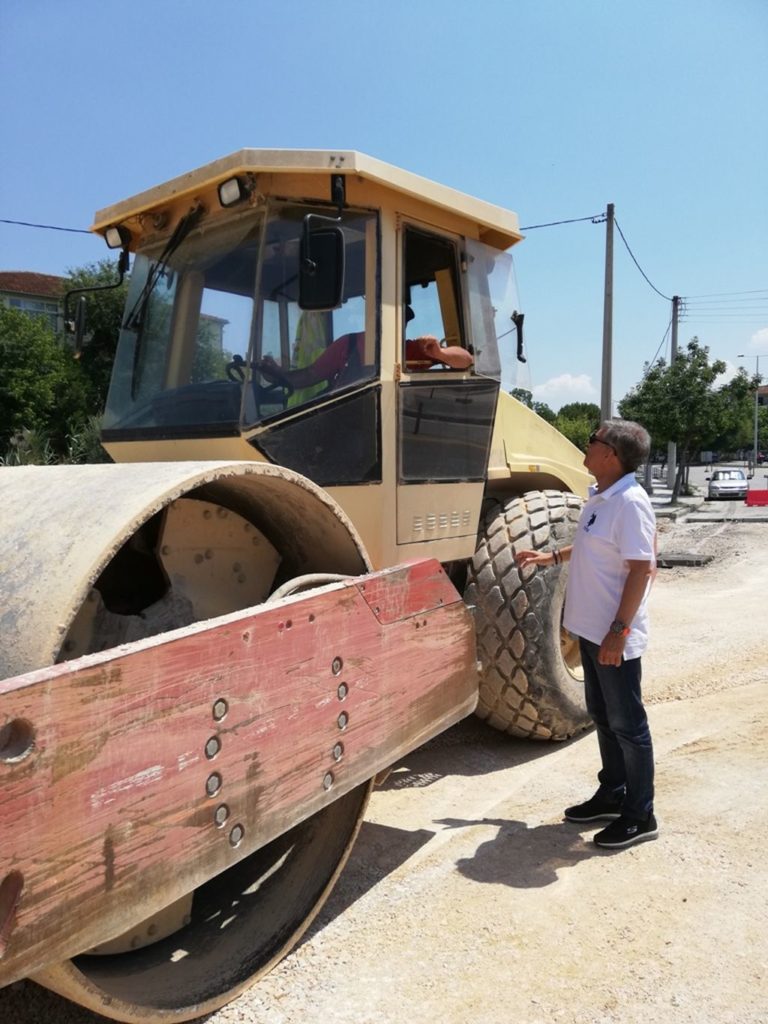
(616, 525)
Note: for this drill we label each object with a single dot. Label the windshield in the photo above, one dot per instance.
(186, 328)
(299, 356)
(214, 337)
(492, 301)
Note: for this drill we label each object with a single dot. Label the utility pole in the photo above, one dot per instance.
(605, 390)
(671, 446)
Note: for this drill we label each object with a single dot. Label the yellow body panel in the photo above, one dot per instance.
(529, 453)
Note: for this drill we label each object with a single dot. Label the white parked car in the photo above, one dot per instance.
(727, 483)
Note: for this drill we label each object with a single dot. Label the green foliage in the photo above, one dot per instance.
(576, 428)
(84, 445)
(29, 448)
(210, 362)
(543, 410)
(523, 395)
(34, 448)
(540, 408)
(50, 401)
(736, 414)
(42, 388)
(581, 411)
(679, 403)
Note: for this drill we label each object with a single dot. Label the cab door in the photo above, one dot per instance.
(445, 416)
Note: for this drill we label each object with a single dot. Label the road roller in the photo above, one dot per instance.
(297, 566)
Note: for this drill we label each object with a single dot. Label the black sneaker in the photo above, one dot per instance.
(594, 809)
(625, 832)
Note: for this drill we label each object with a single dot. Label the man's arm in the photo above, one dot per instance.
(427, 348)
(556, 556)
(326, 367)
(635, 585)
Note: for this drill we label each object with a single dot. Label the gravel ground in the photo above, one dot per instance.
(467, 898)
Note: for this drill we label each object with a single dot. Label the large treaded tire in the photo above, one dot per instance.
(531, 684)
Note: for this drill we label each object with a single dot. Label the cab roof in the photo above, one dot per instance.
(498, 226)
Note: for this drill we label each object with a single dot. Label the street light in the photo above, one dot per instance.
(758, 357)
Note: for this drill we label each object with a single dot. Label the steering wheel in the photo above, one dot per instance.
(236, 370)
(277, 382)
(236, 373)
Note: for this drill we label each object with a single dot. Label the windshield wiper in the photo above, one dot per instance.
(135, 318)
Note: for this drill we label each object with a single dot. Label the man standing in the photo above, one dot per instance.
(612, 561)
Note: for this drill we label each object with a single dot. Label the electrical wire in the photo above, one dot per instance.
(737, 308)
(718, 295)
(656, 354)
(626, 243)
(598, 218)
(46, 227)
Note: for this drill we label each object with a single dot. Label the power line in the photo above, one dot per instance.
(747, 307)
(598, 218)
(626, 243)
(725, 303)
(725, 311)
(724, 319)
(717, 295)
(755, 299)
(661, 344)
(46, 227)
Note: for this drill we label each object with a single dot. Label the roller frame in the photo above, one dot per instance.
(110, 815)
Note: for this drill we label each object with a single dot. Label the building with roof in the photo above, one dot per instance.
(36, 294)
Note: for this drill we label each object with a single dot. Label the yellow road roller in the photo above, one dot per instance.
(298, 567)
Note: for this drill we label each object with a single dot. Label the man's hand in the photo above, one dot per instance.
(455, 356)
(611, 649)
(268, 368)
(525, 558)
(431, 347)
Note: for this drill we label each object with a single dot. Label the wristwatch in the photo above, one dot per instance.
(620, 628)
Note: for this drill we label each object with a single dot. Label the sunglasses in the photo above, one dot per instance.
(593, 437)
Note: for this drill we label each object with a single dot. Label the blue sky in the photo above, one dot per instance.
(552, 108)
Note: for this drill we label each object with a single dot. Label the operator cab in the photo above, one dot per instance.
(266, 322)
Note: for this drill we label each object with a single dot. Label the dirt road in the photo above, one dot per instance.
(468, 899)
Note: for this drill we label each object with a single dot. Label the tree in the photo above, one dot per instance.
(679, 403)
(581, 410)
(42, 388)
(540, 408)
(577, 420)
(576, 428)
(543, 410)
(737, 423)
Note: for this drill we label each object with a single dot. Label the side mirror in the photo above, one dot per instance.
(76, 324)
(517, 320)
(80, 318)
(321, 264)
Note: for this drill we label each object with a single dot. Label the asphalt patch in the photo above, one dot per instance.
(675, 558)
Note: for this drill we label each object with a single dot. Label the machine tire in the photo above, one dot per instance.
(531, 683)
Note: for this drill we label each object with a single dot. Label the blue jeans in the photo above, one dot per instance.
(615, 702)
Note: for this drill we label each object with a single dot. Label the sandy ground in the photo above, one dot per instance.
(468, 898)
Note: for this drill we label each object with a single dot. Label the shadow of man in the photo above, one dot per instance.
(522, 857)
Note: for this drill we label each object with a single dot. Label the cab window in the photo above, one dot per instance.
(432, 295)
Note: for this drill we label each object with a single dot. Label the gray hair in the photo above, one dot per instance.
(630, 441)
